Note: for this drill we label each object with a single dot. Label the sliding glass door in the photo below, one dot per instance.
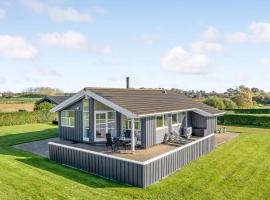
(105, 123)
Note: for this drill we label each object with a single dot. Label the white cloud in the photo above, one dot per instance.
(99, 10)
(57, 14)
(69, 39)
(205, 47)
(72, 40)
(260, 31)
(148, 38)
(46, 71)
(181, 61)
(16, 47)
(211, 34)
(236, 38)
(2, 13)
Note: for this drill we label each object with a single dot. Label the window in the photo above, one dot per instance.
(68, 118)
(174, 119)
(85, 105)
(128, 125)
(160, 122)
(179, 118)
(101, 106)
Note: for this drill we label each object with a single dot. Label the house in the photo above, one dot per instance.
(55, 100)
(148, 114)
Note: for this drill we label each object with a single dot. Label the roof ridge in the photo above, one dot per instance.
(111, 88)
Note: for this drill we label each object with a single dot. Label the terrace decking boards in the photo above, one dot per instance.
(128, 171)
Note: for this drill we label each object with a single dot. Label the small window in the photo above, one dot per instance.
(179, 118)
(85, 105)
(174, 119)
(68, 118)
(160, 122)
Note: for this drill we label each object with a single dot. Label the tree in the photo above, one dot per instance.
(43, 106)
(229, 104)
(243, 98)
(215, 102)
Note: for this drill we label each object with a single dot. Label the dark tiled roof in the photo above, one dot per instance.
(149, 101)
(55, 99)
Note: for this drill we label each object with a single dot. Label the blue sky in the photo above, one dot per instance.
(208, 45)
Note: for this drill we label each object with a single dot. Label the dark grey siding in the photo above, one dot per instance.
(92, 120)
(198, 121)
(112, 168)
(73, 133)
(140, 174)
(211, 125)
(148, 131)
(160, 168)
(118, 123)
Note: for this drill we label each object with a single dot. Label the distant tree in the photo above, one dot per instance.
(229, 104)
(243, 98)
(43, 91)
(43, 106)
(215, 102)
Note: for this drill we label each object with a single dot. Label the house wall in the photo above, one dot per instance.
(148, 131)
(73, 133)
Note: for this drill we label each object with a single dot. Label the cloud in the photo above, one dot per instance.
(148, 38)
(205, 47)
(46, 71)
(211, 34)
(260, 31)
(2, 13)
(181, 61)
(236, 38)
(57, 14)
(16, 47)
(99, 10)
(69, 39)
(2, 80)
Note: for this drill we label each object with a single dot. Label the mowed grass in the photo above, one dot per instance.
(239, 169)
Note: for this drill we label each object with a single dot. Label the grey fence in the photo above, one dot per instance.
(131, 172)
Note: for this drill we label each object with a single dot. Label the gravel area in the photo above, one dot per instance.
(221, 138)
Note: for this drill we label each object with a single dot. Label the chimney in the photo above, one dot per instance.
(127, 81)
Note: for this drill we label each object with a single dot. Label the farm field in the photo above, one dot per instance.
(17, 103)
(238, 169)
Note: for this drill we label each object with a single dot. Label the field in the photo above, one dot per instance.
(238, 169)
(17, 103)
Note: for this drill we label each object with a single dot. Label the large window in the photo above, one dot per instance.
(68, 118)
(127, 125)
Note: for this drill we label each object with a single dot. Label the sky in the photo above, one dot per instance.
(191, 45)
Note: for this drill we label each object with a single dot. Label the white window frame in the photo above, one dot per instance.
(163, 122)
(68, 118)
(177, 119)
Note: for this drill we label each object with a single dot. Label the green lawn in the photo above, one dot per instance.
(239, 169)
(18, 100)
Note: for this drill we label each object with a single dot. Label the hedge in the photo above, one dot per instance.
(18, 118)
(252, 111)
(241, 119)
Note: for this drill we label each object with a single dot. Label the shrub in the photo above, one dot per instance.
(215, 102)
(19, 118)
(251, 111)
(229, 104)
(43, 106)
(241, 119)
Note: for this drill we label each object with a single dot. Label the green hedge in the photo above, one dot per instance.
(18, 118)
(251, 111)
(241, 119)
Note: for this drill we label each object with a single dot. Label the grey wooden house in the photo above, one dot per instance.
(149, 114)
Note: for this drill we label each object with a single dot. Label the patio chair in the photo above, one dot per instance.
(109, 141)
(128, 144)
(117, 144)
(127, 133)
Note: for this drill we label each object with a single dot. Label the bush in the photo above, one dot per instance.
(43, 106)
(215, 102)
(229, 104)
(241, 119)
(251, 111)
(19, 118)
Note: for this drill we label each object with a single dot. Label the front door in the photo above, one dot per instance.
(105, 123)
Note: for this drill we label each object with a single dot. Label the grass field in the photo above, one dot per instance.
(238, 169)
(18, 100)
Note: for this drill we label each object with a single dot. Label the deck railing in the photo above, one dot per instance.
(127, 171)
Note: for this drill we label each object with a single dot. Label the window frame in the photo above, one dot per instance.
(68, 118)
(164, 123)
